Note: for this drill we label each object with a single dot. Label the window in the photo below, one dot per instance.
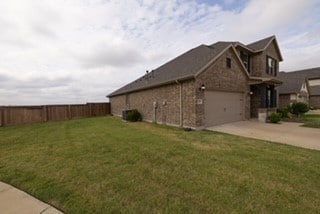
(245, 59)
(228, 62)
(271, 97)
(293, 97)
(271, 66)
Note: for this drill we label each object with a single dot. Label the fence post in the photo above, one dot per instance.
(69, 112)
(2, 116)
(90, 109)
(108, 108)
(45, 113)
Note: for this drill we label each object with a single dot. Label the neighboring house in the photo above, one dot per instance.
(300, 86)
(206, 86)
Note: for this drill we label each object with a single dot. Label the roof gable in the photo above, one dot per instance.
(292, 82)
(243, 68)
(294, 78)
(263, 44)
(311, 74)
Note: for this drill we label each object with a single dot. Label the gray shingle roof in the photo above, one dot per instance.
(261, 44)
(292, 81)
(310, 73)
(186, 65)
(182, 67)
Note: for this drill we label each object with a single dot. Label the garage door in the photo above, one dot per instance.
(223, 107)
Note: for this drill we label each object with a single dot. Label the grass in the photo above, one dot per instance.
(311, 120)
(103, 165)
(308, 120)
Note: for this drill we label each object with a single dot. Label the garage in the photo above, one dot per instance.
(223, 107)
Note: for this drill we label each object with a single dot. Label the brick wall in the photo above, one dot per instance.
(256, 99)
(167, 99)
(189, 103)
(259, 61)
(314, 101)
(118, 104)
(219, 77)
(285, 100)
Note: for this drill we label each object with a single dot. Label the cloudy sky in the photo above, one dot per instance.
(78, 51)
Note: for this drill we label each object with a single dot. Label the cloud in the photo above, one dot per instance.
(34, 83)
(40, 29)
(45, 83)
(103, 54)
(79, 50)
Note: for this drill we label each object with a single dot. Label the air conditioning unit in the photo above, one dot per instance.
(125, 114)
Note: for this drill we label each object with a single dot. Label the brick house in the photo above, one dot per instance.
(300, 86)
(208, 85)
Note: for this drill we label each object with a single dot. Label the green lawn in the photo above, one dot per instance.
(103, 165)
(311, 120)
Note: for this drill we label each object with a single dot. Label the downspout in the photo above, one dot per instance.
(181, 113)
(155, 111)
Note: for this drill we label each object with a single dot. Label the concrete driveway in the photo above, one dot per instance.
(288, 133)
(15, 201)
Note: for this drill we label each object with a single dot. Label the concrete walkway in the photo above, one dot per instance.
(288, 133)
(14, 201)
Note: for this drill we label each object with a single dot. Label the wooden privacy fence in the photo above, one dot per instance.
(14, 115)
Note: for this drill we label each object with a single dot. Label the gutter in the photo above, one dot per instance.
(152, 86)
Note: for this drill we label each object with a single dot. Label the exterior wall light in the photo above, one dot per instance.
(202, 88)
(250, 92)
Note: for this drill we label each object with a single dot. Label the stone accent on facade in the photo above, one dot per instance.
(264, 113)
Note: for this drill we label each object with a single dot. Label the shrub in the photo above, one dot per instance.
(299, 108)
(134, 116)
(274, 117)
(284, 112)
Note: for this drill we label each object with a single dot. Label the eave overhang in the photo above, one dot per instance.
(264, 80)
